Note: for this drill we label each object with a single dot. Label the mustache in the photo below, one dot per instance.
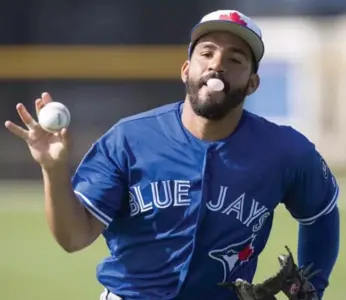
(203, 80)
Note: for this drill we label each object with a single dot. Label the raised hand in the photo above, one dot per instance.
(48, 149)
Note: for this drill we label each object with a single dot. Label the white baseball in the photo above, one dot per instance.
(215, 84)
(54, 116)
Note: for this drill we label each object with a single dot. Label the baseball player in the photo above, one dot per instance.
(185, 194)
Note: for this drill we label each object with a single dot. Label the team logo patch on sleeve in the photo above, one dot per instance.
(324, 168)
(234, 255)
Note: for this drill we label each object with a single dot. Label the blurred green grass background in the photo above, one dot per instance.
(34, 267)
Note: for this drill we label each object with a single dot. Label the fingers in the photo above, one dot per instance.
(64, 137)
(308, 269)
(313, 274)
(38, 105)
(26, 117)
(17, 130)
(289, 251)
(46, 98)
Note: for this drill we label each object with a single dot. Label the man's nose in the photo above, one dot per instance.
(216, 64)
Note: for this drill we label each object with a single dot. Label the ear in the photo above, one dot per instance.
(253, 84)
(185, 70)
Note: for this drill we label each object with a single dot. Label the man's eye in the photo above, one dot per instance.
(237, 61)
(207, 54)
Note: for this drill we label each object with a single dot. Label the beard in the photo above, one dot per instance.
(215, 107)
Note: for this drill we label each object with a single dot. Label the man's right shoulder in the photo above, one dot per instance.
(144, 120)
(153, 113)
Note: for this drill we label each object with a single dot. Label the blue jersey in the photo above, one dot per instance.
(183, 215)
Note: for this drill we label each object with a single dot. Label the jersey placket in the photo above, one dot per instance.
(205, 181)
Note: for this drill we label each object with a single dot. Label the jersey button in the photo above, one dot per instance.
(206, 176)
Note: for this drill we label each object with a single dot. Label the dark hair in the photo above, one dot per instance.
(255, 64)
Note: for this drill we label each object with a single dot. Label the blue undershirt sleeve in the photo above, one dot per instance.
(319, 243)
(311, 199)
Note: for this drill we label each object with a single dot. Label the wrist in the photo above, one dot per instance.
(58, 170)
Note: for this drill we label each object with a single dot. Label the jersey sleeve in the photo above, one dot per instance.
(313, 190)
(99, 181)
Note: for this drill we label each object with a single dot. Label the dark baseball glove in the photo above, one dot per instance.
(291, 280)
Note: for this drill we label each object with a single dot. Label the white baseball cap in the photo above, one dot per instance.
(234, 22)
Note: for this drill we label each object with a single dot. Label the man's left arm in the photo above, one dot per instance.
(312, 201)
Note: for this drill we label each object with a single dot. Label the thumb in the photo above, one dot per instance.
(65, 137)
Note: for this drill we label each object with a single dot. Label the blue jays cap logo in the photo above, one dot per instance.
(234, 255)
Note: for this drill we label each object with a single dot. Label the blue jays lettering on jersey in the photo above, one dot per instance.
(182, 214)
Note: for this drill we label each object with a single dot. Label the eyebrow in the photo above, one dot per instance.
(229, 49)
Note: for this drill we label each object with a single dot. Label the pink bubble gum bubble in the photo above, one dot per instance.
(215, 84)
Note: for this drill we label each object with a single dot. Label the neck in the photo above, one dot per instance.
(209, 130)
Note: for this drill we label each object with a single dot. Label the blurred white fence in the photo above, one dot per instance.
(302, 84)
(313, 91)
